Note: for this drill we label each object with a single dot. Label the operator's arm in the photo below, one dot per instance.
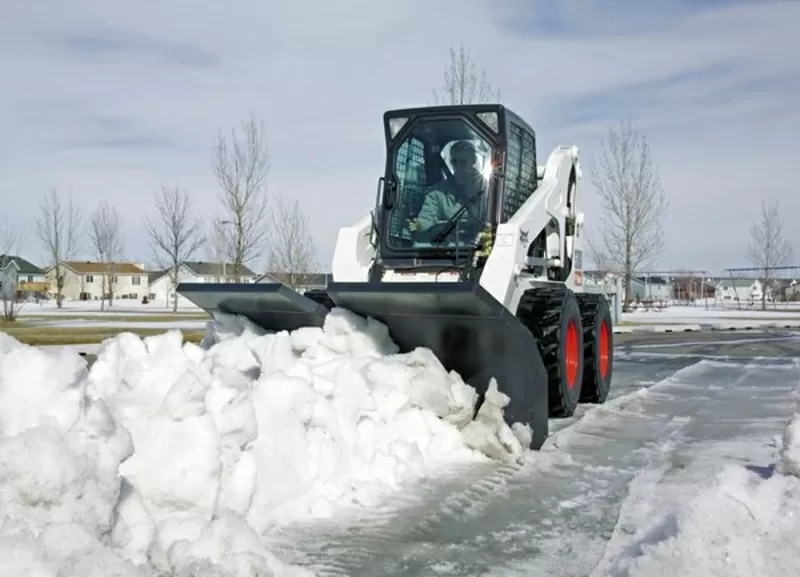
(431, 210)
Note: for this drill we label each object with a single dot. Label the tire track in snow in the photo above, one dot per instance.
(407, 524)
(460, 493)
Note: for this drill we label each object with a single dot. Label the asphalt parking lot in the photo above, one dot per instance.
(741, 344)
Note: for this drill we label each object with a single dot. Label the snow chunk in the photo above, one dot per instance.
(172, 458)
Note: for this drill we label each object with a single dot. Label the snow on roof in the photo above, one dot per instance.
(218, 443)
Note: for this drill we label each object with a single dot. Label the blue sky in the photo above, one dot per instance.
(107, 100)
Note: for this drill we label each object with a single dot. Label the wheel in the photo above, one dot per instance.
(598, 348)
(552, 314)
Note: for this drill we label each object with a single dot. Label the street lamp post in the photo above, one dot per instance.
(223, 256)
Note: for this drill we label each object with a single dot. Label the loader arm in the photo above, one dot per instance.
(535, 246)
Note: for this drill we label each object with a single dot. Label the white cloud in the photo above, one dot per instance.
(107, 101)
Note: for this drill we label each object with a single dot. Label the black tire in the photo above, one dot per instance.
(552, 314)
(598, 348)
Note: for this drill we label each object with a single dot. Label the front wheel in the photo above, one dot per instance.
(552, 314)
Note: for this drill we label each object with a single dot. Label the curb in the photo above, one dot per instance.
(717, 327)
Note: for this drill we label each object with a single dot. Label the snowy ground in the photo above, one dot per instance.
(120, 307)
(323, 453)
(697, 317)
(188, 324)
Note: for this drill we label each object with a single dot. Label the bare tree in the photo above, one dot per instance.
(10, 240)
(105, 233)
(174, 231)
(633, 204)
(769, 247)
(462, 83)
(291, 254)
(59, 229)
(241, 165)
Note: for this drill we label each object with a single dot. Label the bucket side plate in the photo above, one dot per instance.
(272, 306)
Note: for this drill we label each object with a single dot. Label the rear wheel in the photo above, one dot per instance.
(598, 347)
(552, 314)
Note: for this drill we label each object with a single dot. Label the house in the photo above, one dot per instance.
(300, 281)
(743, 290)
(87, 280)
(160, 282)
(21, 277)
(650, 288)
(791, 291)
(693, 288)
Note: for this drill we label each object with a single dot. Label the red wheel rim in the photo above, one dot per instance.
(571, 354)
(603, 349)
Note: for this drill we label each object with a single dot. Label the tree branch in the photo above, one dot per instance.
(633, 204)
(175, 233)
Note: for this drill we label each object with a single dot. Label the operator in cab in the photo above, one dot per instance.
(446, 198)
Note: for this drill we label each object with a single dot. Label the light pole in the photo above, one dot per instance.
(223, 256)
(103, 282)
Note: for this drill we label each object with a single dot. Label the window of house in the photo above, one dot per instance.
(137, 280)
(30, 278)
(89, 278)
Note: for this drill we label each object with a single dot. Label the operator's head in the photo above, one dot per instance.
(463, 157)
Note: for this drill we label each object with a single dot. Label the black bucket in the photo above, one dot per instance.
(465, 327)
(468, 331)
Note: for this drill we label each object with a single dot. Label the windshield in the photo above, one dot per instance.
(439, 167)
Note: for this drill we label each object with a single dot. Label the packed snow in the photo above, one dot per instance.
(173, 458)
(745, 521)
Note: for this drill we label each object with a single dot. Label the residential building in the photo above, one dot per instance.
(650, 288)
(87, 280)
(742, 290)
(791, 291)
(161, 287)
(21, 276)
(689, 289)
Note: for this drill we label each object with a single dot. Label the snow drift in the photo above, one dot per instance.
(171, 458)
(741, 525)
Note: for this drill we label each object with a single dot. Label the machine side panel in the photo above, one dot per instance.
(501, 276)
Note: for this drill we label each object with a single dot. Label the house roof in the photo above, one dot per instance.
(24, 266)
(89, 267)
(154, 275)
(736, 282)
(201, 268)
(651, 280)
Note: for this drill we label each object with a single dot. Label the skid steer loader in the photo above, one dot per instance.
(472, 250)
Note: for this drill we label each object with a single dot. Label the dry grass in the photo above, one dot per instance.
(37, 335)
(118, 318)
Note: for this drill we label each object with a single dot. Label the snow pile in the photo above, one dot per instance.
(171, 458)
(742, 525)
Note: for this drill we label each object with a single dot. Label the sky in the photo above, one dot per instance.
(107, 100)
